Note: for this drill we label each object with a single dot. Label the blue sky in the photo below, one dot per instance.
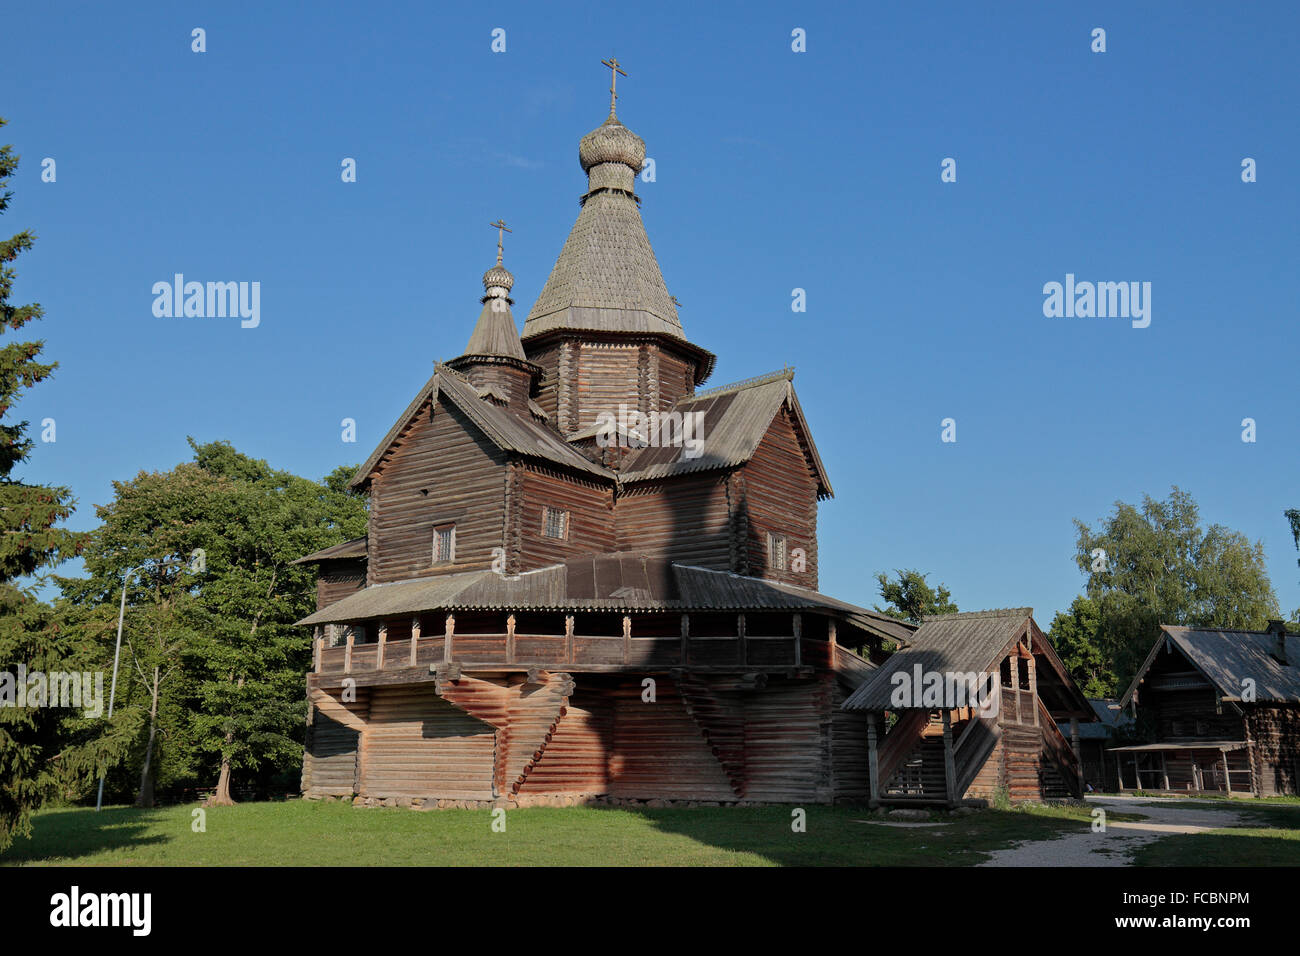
(774, 170)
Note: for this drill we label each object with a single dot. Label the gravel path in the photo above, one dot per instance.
(1115, 847)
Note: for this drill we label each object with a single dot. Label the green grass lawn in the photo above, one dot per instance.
(310, 833)
(1272, 840)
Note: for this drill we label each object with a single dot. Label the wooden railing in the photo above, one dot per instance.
(562, 650)
(1059, 750)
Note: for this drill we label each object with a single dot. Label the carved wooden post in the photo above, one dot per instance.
(949, 764)
(568, 638)
(347, 652)
(447, 638)
(797, 627)
(510, 639)
(627, 637)
(1033, 685)
(740, 637)
(1074, 743)
(316, 642)
(1014, 660)
(1227, 779)
(383, 640)
(873, 760)
(686, 637)
(415, 637)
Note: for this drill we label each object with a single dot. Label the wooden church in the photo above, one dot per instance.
(584, 577)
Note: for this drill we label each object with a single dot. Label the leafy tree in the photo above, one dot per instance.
(1074, 635)
(1156, 565)
(30, 542)
(910, 598)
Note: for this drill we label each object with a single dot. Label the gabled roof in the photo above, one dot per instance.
(973, 641)
(735, 420)
(615, 581)
(1228, 658)
(356, 548)
(508, 431)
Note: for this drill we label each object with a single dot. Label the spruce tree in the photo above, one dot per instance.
(30, 541)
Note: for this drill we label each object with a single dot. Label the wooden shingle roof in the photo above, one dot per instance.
(606, 278)
(495, 333)
(957, 643)
(735, 420)
(356, 548)
(615, 581)
(1229, 658)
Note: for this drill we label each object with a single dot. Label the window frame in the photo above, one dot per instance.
(566, 519)
(438, 529)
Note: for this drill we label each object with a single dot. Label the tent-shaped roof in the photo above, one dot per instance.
(1228, 658)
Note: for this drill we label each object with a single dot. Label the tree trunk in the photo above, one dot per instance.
(144, 797)
(221, 797)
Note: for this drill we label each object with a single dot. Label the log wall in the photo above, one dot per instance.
(463, 475)
(686, 519)
(419, 745)
(781, 497)
(1274, 732)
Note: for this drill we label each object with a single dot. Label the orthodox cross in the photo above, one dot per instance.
(614, 74)
(502, 229)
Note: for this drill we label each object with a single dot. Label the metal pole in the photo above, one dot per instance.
(112, 691)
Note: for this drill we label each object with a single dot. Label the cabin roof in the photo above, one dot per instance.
(1110, 718)
(1227, 658)
(356, 548)
(736, 418)
(972, 641)
(614, 581)
(508, 431)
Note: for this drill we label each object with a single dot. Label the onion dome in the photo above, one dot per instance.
(611, 142)
(498, 277)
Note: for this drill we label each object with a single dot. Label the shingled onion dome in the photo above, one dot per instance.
(497, 283)
(494, 360)
(611, 155)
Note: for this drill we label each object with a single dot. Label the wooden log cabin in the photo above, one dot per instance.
(968, 709)
(1219, 711)
(550, 608)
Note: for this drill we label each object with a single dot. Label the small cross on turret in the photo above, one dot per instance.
(502, 229)
(615, 73)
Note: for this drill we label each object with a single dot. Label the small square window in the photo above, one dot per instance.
(555, 523)
(444, 544)
(776, 549)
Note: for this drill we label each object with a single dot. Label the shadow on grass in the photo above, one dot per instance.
(853, 835)
(1234, 847)
(66, 836)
